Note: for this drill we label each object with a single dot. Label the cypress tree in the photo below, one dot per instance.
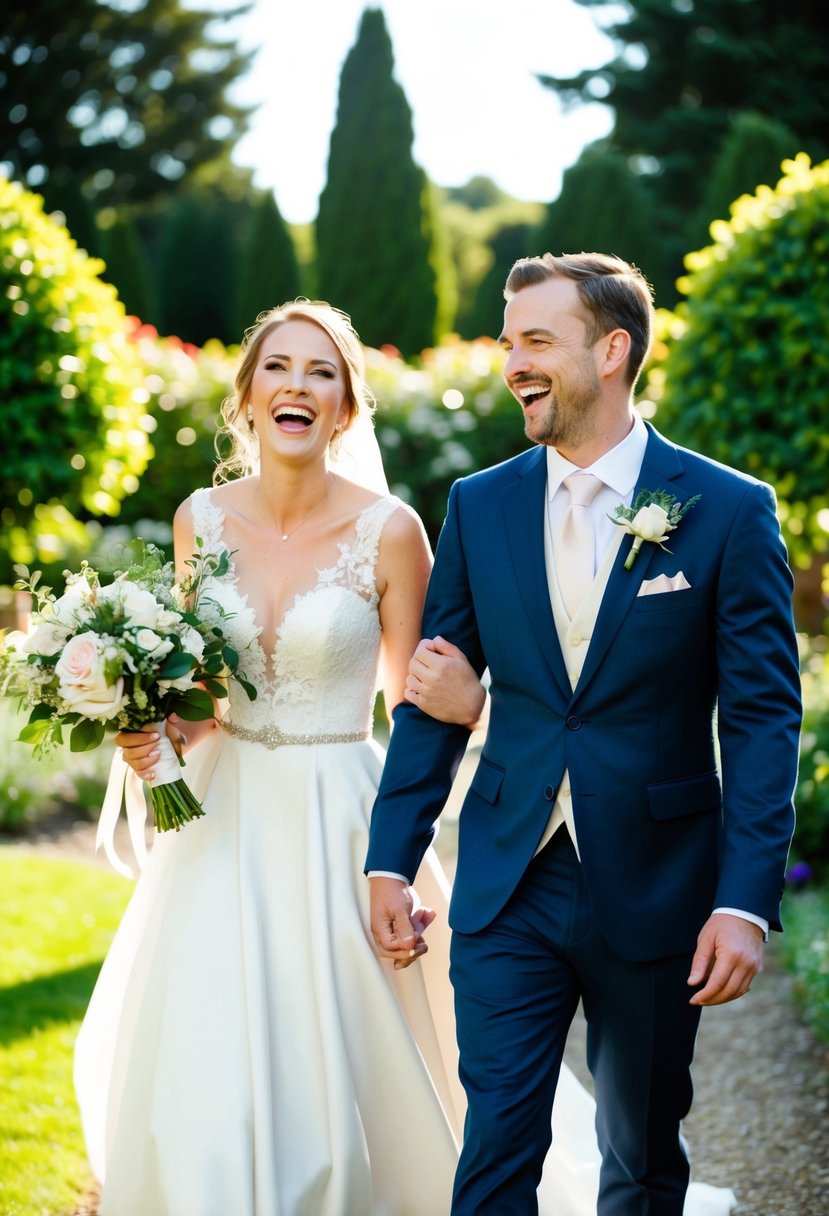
(127, 268)
(197, 268)
(374, 254)
(268, 272)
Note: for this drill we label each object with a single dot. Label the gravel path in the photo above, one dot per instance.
(760, 1120)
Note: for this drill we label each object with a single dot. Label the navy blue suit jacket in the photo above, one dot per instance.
(667, 829)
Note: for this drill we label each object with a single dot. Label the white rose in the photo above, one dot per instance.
(651, 523)
(155, 646)
(139, 607)
(47, 639)
(83, 686)
(193, 642)
(75, 605)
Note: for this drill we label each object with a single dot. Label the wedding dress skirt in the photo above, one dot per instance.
(245, 1053)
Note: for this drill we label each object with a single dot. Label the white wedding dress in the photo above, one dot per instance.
(245, 1053)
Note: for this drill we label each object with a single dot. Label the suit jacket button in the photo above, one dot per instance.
(549, 793)
(573, 723)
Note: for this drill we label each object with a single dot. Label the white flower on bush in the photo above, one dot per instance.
(82, 679)
(139, 607)
(47, 639)
(156, 647)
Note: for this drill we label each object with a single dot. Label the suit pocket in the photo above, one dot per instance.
(487, 781)
(669, 601)
(690, 796)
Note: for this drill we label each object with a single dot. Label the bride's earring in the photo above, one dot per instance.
(250, 416)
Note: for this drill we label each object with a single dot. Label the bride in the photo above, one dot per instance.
(245, 1051)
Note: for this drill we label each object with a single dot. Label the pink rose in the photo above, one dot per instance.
(83, 685)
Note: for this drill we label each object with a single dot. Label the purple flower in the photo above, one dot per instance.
(799, 873)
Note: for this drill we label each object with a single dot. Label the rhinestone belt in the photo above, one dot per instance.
(272, 736)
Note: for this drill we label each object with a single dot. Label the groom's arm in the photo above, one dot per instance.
(424, 753)
(758, 722)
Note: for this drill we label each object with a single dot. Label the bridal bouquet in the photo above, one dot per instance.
(115, 657)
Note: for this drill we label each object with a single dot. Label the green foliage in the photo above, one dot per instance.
(805, 947)
(483, 230)
(744, 380)
(751, 155)
(811, 838)
(374, 249)
(605, 206)
(268, 273)
(442, 419)
(58, 919)
(124, 99)
(683, 70)
(185, 385)
(74, 443)
(507, 245)
(127, 267)
(198, 264)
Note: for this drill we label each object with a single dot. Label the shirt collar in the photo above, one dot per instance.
(619, 468)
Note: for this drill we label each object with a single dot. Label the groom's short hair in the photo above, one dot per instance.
(614, 294)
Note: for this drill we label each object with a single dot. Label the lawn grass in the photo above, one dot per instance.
(56, 921)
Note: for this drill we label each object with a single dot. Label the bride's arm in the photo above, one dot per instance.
(431, 673)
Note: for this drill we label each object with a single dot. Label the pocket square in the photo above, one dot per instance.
(657, 586)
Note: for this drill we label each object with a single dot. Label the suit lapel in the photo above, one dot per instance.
(660, 467)
(523, 505)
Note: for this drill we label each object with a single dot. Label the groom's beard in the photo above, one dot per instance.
(569, 420)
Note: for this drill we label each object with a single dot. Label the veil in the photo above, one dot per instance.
(358, 456)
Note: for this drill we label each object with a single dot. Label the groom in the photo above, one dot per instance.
(625, 834)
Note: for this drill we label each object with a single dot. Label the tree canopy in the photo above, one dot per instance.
(121, 97)
(685, 69)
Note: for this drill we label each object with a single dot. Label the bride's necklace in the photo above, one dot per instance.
(331, 482)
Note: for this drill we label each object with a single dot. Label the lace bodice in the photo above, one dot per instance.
(322, 675)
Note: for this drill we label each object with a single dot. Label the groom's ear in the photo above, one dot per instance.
(613, 352)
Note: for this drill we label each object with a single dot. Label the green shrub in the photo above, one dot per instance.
(744, 380)
(446, 417)
(811, 839)
(805, 948)
(31, 790)
(73, 444)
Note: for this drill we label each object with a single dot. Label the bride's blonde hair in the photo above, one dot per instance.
(235, 437)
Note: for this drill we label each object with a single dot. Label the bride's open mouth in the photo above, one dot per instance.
(293, 419)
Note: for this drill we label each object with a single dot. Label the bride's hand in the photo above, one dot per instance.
(141, 749)
(444, 685)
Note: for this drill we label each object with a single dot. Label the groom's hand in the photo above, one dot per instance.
(397, 927)
(728, 956)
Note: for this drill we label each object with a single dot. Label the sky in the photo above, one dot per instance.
(467, 68)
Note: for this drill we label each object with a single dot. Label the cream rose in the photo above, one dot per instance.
(82, 681)
(651, 523)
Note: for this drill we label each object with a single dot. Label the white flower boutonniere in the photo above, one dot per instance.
(653, 516)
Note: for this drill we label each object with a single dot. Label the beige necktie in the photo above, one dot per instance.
(575, 549)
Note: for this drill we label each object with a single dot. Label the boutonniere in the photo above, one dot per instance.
(653, 516)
